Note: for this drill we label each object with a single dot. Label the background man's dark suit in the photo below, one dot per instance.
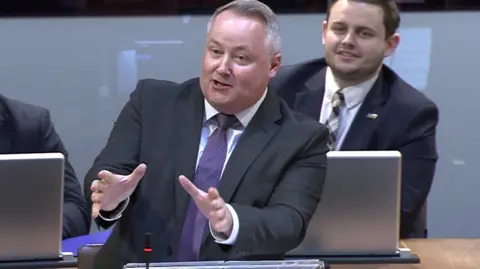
(26, 128)
(161, 125)
(406, 122)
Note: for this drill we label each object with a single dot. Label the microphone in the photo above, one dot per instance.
(147, 249)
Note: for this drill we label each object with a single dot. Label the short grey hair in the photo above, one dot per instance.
(255, 8)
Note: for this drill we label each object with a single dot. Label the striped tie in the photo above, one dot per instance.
(332, 123)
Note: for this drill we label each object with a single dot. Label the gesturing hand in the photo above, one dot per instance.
(111, 189)
(211, 205)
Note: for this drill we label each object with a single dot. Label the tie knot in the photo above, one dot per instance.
(226, 121)
(338, 98)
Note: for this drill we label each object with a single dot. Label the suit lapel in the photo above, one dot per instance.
(256, 136)
(309, 102)
(363, 127)
(189, 119)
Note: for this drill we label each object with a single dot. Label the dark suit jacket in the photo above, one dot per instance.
(26, 128)
(272, 181)
(406, 122)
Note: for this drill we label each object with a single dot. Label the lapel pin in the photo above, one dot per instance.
(372, 116)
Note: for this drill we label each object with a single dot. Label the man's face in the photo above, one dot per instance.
(237, 63)
(355, 41)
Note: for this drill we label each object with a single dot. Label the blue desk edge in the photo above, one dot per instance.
(73, 244)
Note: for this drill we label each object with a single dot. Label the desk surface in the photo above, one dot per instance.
(435, 254)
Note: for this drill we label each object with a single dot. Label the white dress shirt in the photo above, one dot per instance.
(209, 125)
(354, 96)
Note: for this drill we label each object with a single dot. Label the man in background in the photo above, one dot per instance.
(208, 167)
(26, 128)
(363, 102)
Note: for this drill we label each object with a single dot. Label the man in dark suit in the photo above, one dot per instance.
(26, 128)
(363, 102)
(225, 140)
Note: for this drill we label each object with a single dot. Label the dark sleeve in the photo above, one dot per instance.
(121, 154)
(76, 214)
(282, 225)
(419, 157)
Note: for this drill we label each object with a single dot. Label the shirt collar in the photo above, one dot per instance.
(354, 95)
(244, 117)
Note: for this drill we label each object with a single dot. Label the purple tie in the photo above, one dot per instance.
(208, 173)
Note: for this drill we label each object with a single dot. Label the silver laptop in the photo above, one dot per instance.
(359, 213)
(31, 205)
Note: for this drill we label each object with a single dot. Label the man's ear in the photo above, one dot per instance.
(392, 44)
(275, 64)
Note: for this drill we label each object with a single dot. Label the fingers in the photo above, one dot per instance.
(213, 194)
(96, 203)
(96, 197)
(110, 178)
(216, 202)
(106, 179)
(95, 209)
(217, 215)
(217, 206)
(98, 185)
(138, 173)
(107, 176)
(220, 217)
(188, 186)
